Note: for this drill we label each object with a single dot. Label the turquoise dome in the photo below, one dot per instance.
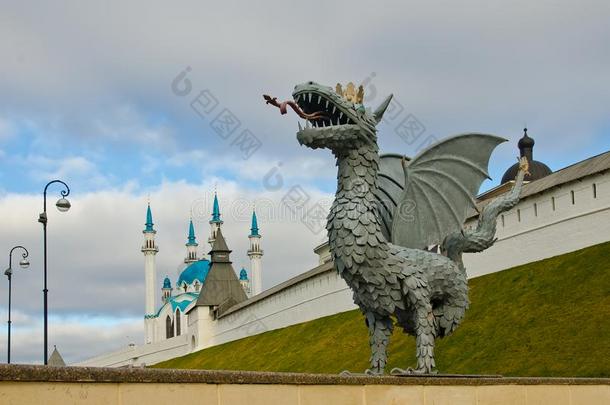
(243, 274)
(195, 271)
(167, 283)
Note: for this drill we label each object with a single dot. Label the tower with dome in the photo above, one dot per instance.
(201, 281)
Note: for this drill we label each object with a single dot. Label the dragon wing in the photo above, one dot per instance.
(420, 201)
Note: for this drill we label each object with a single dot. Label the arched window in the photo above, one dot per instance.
(197, 286)
(169, 327)
(177, 322)
(184, 286)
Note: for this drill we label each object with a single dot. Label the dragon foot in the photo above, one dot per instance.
(412, 371)
(373, 372)
(367, 372)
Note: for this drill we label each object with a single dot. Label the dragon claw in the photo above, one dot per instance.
(368, 371)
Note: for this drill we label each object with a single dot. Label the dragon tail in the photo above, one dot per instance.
(483, 236)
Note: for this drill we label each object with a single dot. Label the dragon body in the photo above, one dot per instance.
(388, 209)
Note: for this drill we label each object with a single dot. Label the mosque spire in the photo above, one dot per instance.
(255, 253)
(191, 245)
(149, 221)
(254, 226)
(192, 240)
(149, 249)
(215, 221)
(216, 210)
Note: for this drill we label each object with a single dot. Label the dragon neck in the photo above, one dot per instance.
(355, 199)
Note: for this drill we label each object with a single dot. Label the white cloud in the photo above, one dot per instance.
(82, 172)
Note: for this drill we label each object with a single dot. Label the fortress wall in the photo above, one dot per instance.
(142, 354)
(534, 230)
(321, 295)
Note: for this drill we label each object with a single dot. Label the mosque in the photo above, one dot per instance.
(191, 287)
(210, 304)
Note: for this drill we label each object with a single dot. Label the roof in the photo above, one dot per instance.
(220, 244)
(192, 241)
(195, 271)
(584, 168)
(167, 283)
(216, 210)
(537, 170)
(254, 227)
(221, 287)
(149, 221)
(179, 301)
(243, 274)
(55, 359)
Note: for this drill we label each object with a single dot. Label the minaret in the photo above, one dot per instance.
(166, 291)
(245, 283)
(191, 245)
(215, 222)
(150, 250)
(255, 254)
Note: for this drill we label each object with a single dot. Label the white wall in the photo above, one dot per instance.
(322, 295)
(526, 237)
(142, 354)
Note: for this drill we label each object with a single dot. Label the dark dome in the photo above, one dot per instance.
(537, 169)
(526, 141)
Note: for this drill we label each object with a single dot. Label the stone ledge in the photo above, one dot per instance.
(32, 373)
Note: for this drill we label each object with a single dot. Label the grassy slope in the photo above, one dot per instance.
(549, 318)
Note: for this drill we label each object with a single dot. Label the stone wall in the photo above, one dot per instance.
(24, 385)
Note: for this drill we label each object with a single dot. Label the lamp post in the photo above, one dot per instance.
(24, 263)
(62, 205)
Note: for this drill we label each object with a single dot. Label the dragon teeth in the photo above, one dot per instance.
(297, 98)
(327, 104)
(319, 99)
(310, 97)
(300, 128)
(307, 124)
(334, 109)
(341, 115)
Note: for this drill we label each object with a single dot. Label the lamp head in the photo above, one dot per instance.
(63, 204)
(24, 263)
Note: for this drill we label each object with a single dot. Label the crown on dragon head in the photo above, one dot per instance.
(350, 93)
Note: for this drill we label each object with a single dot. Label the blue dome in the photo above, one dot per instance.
(167, 283)
(243, 274)
(195, 271)
(180, 301)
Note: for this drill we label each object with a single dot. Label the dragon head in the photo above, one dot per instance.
(336, 119)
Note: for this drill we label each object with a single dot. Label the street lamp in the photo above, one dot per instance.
(62, 205)
(24, 263)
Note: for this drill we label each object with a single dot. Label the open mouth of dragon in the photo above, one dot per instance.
(320, 111)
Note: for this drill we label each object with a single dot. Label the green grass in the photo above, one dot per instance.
(548, 318)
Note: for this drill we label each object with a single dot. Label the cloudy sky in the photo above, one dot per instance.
(90, 94)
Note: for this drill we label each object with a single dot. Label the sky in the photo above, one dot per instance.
(125, 101)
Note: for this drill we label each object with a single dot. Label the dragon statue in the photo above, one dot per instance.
(389, 209)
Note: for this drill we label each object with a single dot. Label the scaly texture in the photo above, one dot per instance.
(425, 292)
